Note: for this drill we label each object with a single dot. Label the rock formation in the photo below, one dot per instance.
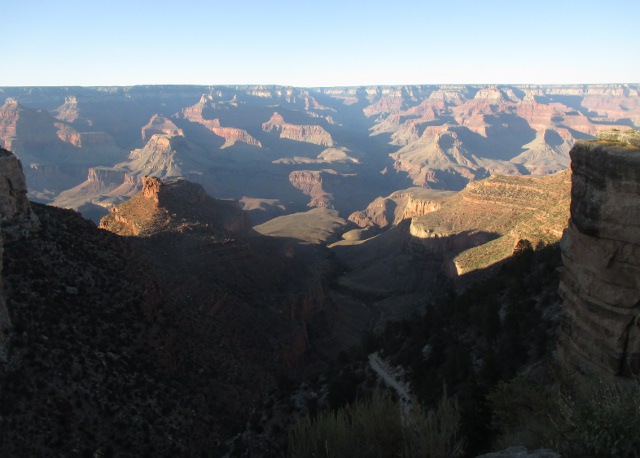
(165, 156)
(16, 221)
(460, 233)
(387, 211)
(70, 112)
(32, 134)
(301, 133)
(247, 139)
(601, 253)
(174, 205)
(486, 220)
(159, 125)
(199, 113)
(316, 184)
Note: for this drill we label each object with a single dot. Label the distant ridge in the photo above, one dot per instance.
(258, 141)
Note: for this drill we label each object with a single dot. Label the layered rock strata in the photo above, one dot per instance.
(316, 184)
(307, 133)
(206, 106)
(601, 253)
(401, 205)
(159, 125)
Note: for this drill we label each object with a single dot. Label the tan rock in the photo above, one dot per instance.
(601, 253)
(316, 184)
(301, 133)
(159, 125)
(198, 113)
(401, 205)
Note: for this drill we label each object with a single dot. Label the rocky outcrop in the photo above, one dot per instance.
(316, 184)
(24, 131)
(301, 133)
(174, 206)
(401, 205)
(231, 135)
(163, 156)
(201, 113)
(103, 187)
(601, 253)
(169, 156)
(16, 221)
(484, 222)
(70, 112)
(439, 159)
(15, 211)
(159, 125)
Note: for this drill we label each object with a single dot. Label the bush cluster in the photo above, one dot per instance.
(379, 427)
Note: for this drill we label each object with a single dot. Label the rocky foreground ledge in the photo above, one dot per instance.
(601, 253)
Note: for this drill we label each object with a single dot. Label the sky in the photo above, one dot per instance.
(309, 43)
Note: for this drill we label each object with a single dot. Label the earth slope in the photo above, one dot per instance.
(162, 341)
(458, 233)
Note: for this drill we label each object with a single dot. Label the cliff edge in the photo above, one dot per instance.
(16, 221)
(600, 285)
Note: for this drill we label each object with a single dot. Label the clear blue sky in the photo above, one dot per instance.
(318, 43)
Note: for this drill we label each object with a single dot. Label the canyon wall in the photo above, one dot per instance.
(16, 221)
(601, 253)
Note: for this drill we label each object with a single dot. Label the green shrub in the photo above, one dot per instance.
(597, 419)
(378, 427)
(436, 434)
(603, 419)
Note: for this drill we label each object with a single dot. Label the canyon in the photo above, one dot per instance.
(176, 308)
(249, 237)
(342, 148)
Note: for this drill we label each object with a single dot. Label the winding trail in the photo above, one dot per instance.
(383, 371)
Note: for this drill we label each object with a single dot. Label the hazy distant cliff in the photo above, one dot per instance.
(247, 141)
(601, 254)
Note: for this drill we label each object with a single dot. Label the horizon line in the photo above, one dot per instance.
(53, 86)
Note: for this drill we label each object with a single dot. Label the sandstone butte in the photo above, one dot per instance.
(301, 133)
(600, 285)
(168, 206)
(230, 135)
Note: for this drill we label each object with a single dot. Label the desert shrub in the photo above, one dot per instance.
(436, 434)
(520, 412)
(599, 419)
(378, 427)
